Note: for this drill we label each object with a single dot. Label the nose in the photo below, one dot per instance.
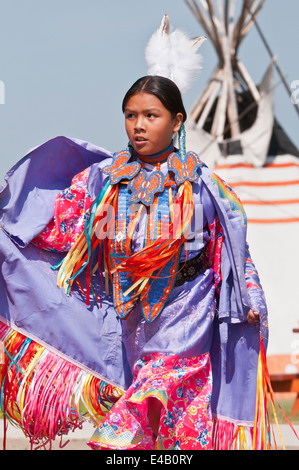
(139, 123)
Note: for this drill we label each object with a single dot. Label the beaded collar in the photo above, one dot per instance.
(128, 166)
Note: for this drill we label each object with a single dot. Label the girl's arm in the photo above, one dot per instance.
(255, 291)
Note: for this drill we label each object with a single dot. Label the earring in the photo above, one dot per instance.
(130, 148)
(182, 142)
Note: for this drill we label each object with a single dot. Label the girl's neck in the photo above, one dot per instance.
(159, 157)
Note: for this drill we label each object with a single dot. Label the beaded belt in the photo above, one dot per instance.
(190, 270)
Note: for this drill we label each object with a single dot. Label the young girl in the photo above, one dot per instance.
(169, 403)
(174, 336)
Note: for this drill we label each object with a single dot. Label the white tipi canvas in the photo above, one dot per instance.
(233, 128)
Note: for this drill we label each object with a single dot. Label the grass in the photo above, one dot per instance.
(286, 406)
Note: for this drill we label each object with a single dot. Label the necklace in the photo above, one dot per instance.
(129, 166)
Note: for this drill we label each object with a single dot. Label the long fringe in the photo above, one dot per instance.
(45, 395)
(141, 265)
(228, 435)
(98, 226)
(266, 405)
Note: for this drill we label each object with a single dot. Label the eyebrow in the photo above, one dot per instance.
(152, 108)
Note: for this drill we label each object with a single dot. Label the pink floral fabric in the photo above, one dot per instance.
(69, 216)
(184, 388)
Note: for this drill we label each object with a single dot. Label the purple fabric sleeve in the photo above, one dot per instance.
(27, 200)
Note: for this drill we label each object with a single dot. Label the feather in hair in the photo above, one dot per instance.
(173, 55)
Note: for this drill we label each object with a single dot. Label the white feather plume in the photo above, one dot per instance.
(173, 55)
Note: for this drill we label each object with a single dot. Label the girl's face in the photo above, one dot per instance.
(149, 125)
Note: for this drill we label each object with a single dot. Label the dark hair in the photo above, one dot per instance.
(163, 88)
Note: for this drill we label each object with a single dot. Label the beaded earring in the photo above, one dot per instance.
(130, 148)
(182, 142)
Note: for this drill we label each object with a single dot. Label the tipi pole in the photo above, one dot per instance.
(252, 9)
(238, 27)
(220, 113)
(199, 104)
(206, 24)
(212, 84)
(211, 100)
(232, 101)
(275, 63)
(248, 80)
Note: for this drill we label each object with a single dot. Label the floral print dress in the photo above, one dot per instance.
(184, 388)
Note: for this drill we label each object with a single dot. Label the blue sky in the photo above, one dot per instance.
(66, 65)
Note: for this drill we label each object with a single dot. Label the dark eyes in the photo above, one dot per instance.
(132, 115)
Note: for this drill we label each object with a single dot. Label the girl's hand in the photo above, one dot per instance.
(253, 317)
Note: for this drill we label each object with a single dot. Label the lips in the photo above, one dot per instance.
(140, 142)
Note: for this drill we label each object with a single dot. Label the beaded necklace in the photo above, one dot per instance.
(128, 165)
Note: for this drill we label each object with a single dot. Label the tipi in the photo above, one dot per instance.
(233, 128)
